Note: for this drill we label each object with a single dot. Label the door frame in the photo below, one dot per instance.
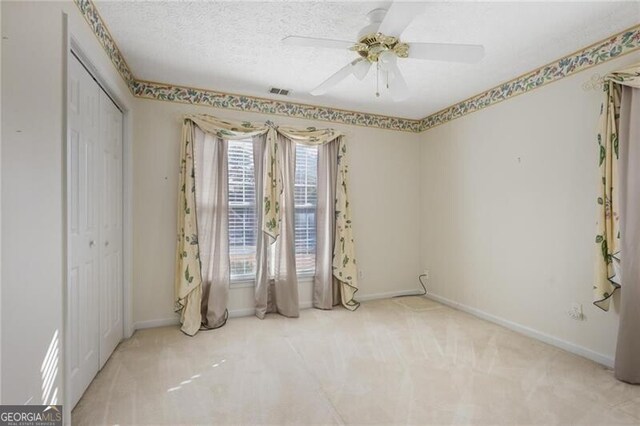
(73, 47)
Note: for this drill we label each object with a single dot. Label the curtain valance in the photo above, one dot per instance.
(272, 185)
(627, 77)
(607, 239)
(188, 269)
(233, 130)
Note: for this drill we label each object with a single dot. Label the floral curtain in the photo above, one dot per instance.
(188, 280)
(607, 239)
(344, 256)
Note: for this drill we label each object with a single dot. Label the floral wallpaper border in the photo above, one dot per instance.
(168, 92)
(90, 12)
(617, 45)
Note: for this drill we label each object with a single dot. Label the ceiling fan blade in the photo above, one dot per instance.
(398, 88)
(468, 53)
(361, 69)
(317, 42)
(336, 78)
(399, 16)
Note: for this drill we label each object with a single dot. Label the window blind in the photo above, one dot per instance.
(305, 208)
(242, 209)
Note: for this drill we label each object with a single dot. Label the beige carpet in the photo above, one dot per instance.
(398, 361)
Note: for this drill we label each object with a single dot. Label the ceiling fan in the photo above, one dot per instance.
(379, 44)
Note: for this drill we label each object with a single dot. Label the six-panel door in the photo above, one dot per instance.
(94, 223)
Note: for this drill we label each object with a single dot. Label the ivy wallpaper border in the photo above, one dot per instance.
(613, 47)
(195, 96)
(92, 16)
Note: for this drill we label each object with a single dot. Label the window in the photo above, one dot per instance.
(305, 212)
(242, 209)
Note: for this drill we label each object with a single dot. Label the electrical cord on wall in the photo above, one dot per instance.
(424, 288)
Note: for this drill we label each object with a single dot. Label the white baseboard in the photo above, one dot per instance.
(246, 312)
(527, 331)
(139, 325)
(386, 295)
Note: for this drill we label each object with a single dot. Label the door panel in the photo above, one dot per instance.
(94, 222)
(111, 327)
(83, 270)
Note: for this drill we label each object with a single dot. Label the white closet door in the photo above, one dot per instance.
(111, 329)
(94, 221)
(83, 229)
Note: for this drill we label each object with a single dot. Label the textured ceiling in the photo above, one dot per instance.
(235, 46)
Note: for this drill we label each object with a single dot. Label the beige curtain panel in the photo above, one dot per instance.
(202, 270)
(618, 238)
(277, 289)
(326, 287)
(607, 239)
(212, 213)
(627, 366)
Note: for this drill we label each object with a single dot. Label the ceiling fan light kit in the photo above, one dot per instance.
(379, 43)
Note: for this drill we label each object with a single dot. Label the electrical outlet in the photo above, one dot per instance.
(576, 312)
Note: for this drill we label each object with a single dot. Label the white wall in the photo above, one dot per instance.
(384, 185)
(33, 59)
(508, 211)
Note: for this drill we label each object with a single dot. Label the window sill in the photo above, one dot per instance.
(251, 282)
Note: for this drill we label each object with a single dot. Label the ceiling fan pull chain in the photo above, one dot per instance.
(377, 80)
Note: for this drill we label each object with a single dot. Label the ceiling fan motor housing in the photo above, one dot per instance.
(372, 43)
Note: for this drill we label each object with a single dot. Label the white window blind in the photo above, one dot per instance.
(305, 208)
(242, 210)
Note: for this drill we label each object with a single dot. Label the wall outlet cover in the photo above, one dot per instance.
(576, 312)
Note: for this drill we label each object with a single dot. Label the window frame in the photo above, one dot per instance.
(249, 280)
